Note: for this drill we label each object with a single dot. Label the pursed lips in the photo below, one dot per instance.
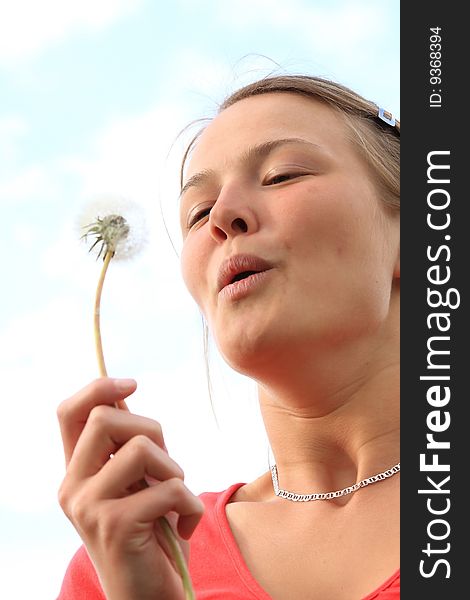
(238, 267)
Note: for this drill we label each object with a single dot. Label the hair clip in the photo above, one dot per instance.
(387, 117)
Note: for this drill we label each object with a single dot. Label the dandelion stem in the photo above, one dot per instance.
(179, 558)
(98, 342)
(97, 328)
(166, 528)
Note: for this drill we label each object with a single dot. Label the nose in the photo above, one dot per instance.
(232, 215)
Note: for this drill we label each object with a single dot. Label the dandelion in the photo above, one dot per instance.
(118, 225)
(116, 228)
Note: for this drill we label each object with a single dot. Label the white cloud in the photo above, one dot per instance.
(27, 27)
(340, 25)
(203, 78)
(41, 352)
(12, 128)
(21, 183)
(25, 234)
(127, 155)
(43, 560)
(34, 182)
(135, 157)
(337, 24)
(341, 40)
(12, 125)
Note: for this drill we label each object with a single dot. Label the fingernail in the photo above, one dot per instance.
(125, 385)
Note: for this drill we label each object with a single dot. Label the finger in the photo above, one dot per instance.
(139, 458)
(188, 523)
(73, 412)
(105, 432)
(156, 501)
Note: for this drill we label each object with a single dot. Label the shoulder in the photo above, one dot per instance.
(212, 532)
(213, 519)
(213, 499)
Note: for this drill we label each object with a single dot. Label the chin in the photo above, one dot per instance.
(247, 353)
(258, 353)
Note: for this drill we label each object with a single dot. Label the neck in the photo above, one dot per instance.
(333, 427)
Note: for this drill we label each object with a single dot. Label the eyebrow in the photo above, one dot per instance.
(259, 151)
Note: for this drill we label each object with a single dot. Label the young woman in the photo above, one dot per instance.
(290, 220)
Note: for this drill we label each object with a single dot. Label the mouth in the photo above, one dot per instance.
(243, 275)
(240, 267)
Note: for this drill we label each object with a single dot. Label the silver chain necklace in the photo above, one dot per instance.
(329, 495)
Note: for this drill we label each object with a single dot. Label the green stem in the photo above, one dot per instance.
(166, 528)
(96, 316)
(179, 558)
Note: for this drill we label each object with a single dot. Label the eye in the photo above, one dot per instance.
(198, 216)
(276, 177)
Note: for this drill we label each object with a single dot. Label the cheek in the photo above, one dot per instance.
(315, 222)
(197, 269)
(192, 271)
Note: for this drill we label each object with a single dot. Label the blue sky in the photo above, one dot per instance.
(92, 97)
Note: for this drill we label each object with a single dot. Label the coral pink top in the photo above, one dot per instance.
(216, 566)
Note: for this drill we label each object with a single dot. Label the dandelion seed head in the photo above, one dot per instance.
(113, 224)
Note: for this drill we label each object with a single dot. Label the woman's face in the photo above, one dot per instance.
(287, 245)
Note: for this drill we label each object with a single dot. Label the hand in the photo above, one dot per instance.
(108, 452)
